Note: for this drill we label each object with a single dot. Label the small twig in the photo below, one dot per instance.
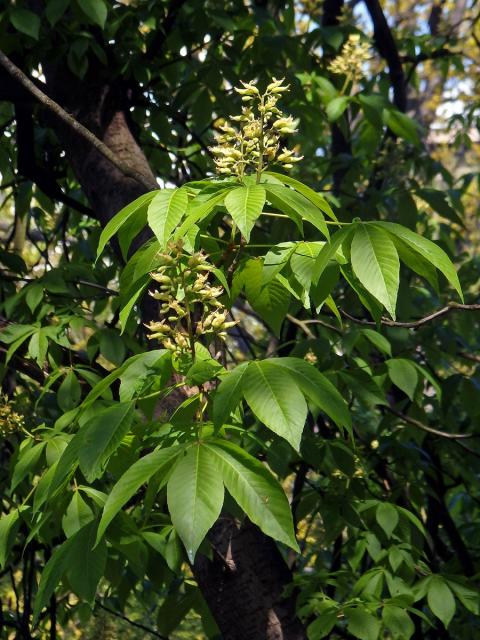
(76, 126)
(451, 306)
(424, 427)
(138, 625)
(469, 356)
(303, 325)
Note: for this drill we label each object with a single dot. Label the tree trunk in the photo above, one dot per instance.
(245, 595)
(244, 582)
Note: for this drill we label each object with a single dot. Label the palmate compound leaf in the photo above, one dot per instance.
(426, 248)
(159, 461)
(195, 496)
(245, 204)
(276, 400)
(165, 212)
(376, 264)
(256, 491)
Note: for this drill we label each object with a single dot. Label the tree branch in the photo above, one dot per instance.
(76, 126)
(387, 48)
(133, 623)
(424, 427)
(451, 306)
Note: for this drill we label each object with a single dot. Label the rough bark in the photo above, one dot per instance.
(244, 585)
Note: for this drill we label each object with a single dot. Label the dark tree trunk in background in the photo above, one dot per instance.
(245, 595)
(244, 583)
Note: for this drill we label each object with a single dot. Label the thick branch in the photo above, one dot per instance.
(65, 117)
(387, 48)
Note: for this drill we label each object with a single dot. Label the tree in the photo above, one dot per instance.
(195, 331)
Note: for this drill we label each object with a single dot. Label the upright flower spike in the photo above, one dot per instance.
(351, 59)
(255, 142)
(190, 305)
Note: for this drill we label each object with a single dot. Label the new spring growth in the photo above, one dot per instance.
(254, 141)
(351, 59)
(189, 303)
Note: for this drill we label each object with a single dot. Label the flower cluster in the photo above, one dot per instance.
(351, 59)
(189, 303)
(255, 141)
(10, 420)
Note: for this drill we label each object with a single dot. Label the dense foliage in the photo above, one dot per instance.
(239, 356)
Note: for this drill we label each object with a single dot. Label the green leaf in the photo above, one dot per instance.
(270, 301)
(195, 496)
(427, 249)
(468, 597)
(274, 397)
(26, 463)
(404, 375)
(336, 107)
(321, 627)
(128, 307)
(387, 517)
(101, 436)
(276, 259)
(52, 574)
(317, 199)
(398, 621)
(38, 346)
(303, 262)
(95, 10)
(437, 200)
(9, 524)
(255, 489)
(123, 215)
(86, 564)
(316, 387)
(329, 251)
(159, 461)
(375, 263)
(363, 624)
(228, 394)
(378, 341)
(165, 212)
(245, 205)
(296, 205)
(77, 515)
(55, 10)
(197, 211)
(201, 371)
(69, 392)
(440, 600)
(26, 22)
(401, 125)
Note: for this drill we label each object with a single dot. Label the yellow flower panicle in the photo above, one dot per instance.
(350, 62)
(10, 421)
(254, 142)
(189, 303)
